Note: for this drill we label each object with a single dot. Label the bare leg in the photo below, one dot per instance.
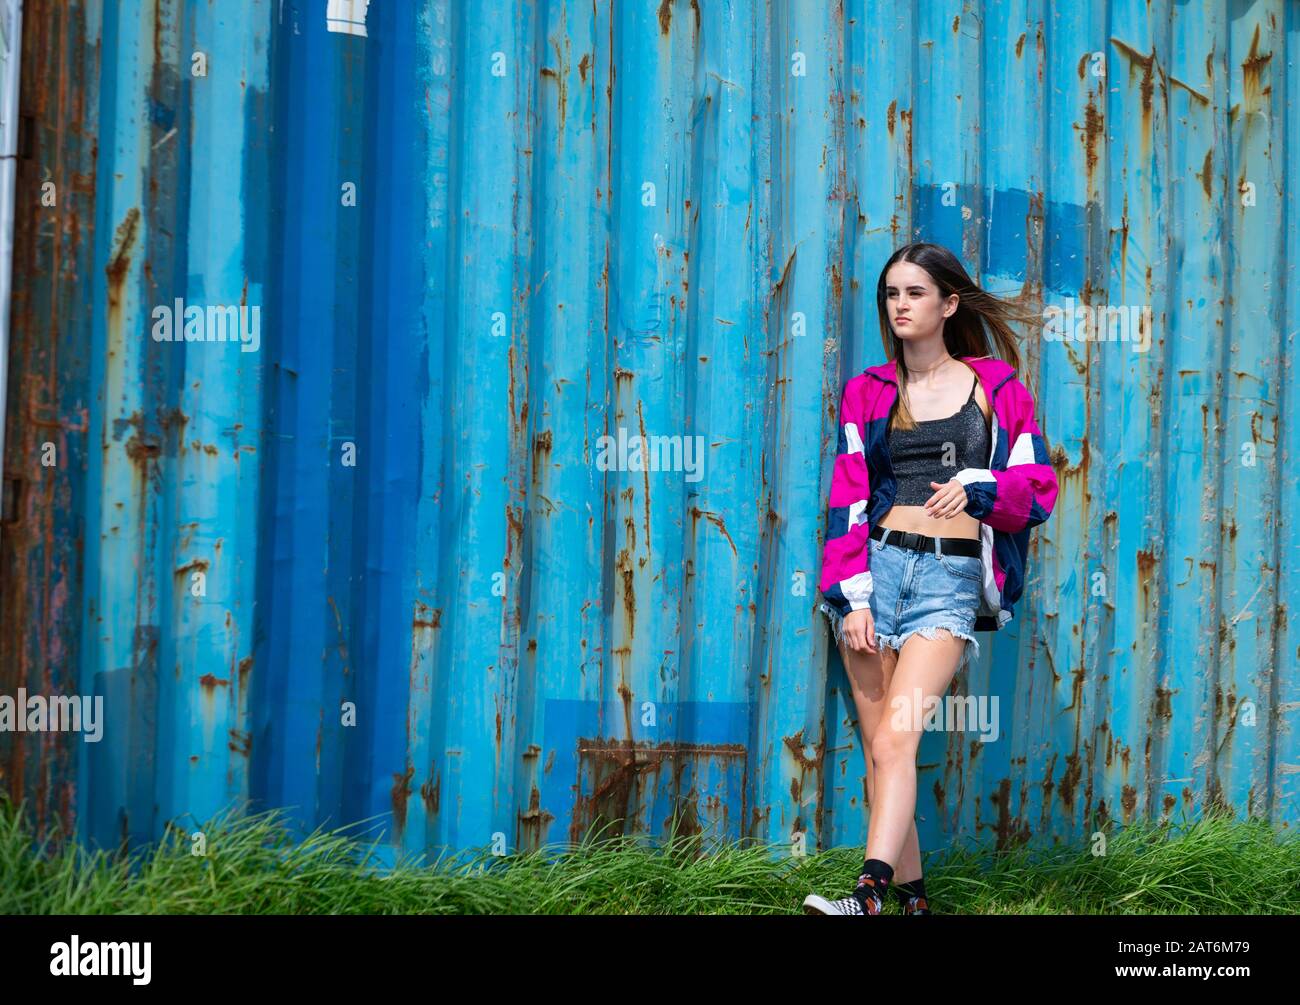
(870, 675)
(927, 665)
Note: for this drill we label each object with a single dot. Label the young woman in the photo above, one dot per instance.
(940, 472)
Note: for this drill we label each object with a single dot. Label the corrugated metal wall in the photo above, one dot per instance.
(481, 237)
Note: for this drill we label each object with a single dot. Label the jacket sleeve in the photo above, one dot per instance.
(1022, 495)
(845, 577)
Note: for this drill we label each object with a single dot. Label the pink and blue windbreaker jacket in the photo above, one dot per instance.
(1013, 494)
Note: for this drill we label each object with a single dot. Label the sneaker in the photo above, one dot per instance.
(916, 905)
(814, 904)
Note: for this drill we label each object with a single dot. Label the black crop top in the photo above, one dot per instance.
(917, 454)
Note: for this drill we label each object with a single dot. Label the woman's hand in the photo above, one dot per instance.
(859, 631)
(948, 501)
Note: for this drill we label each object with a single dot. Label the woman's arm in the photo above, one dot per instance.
(1024, 494)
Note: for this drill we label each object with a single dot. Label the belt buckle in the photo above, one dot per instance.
(911, 539)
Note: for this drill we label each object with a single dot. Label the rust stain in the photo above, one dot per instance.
(1070, 780)
(623, 566)
(561, 78)
(430, 794)
(1164, 706)
(1149, 66)
(426, 617)
(119, 261)
(400, 794)
(1128, 800)
(717, 521)
(1094, 128)
(194, 565)
(666, 16)
(141, 451)
(1207, 172)
(808, 774)
(541, 453)
(1197, 95)
(1252, 71)
(172, 417)
(1146, 571)
(533, 821)
(1010, 830)
(785, 271)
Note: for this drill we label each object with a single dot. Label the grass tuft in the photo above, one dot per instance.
(254, 863)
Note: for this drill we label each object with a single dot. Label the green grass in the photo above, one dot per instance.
(252, 865)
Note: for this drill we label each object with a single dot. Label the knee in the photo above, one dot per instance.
(890, 747)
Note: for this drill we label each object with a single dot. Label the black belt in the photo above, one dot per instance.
(919, 542)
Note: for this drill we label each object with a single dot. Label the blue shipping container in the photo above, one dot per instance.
(368, 555)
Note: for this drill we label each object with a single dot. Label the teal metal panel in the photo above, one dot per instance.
(375, 568)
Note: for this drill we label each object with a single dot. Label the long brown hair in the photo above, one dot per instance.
(980, 315)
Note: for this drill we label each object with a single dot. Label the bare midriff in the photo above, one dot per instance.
(916, 519)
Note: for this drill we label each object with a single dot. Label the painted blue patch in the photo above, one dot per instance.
(1005, 219)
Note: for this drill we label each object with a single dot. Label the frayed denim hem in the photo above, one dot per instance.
(970, 651)
(836, 620)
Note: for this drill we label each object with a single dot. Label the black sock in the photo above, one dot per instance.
(907, 891)
(873, 885)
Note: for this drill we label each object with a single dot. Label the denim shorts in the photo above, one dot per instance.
(919, 591)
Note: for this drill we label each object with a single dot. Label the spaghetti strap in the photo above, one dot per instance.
(975, 380)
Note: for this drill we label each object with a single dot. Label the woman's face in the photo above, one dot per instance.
(912, 300)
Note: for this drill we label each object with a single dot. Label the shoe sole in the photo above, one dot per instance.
(814, 904)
